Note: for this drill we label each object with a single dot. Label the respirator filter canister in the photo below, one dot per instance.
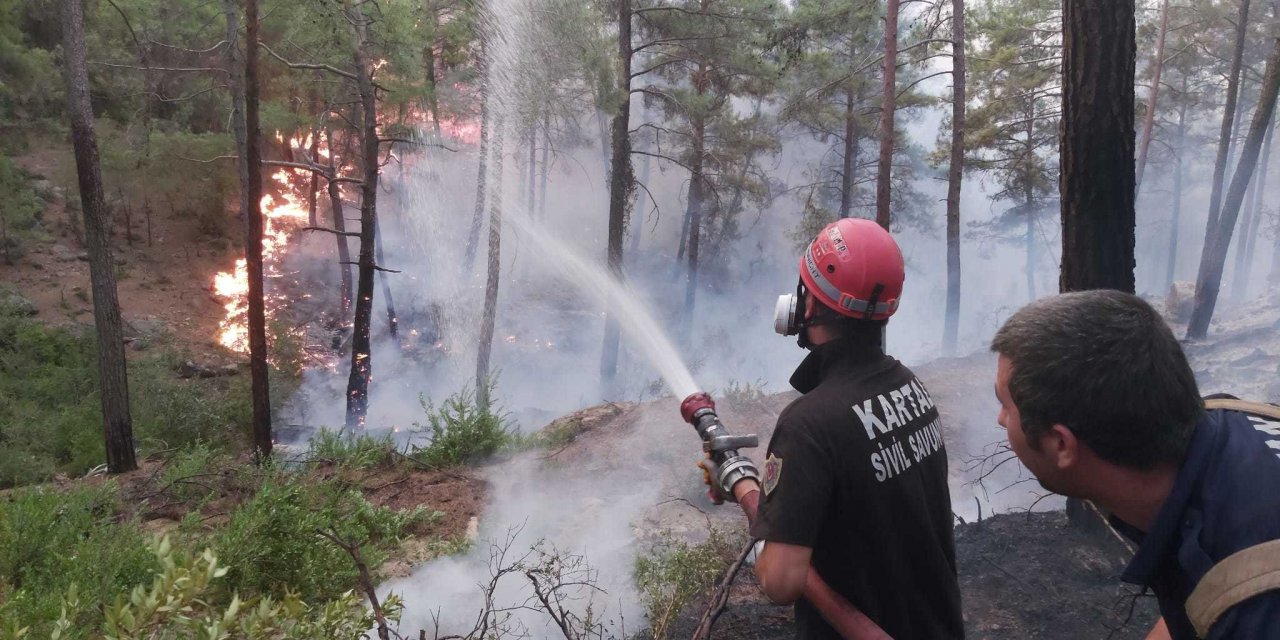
(785, 320)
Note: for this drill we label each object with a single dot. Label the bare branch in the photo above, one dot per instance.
(417, 143)
(366, 582)
(302, 65)
(172, 69)
(210, 160)
(375, 267)
(198, 52)
(349, 234)
(721, 596)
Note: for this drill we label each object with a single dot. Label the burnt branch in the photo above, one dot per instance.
(720, 598)
(375, 267)
(349, 234)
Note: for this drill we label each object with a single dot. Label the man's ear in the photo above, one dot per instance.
(810, 306)
(1061, 444)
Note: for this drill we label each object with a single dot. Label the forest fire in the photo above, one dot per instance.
(284, 213)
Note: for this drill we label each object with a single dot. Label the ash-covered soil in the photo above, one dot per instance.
(1021, 576)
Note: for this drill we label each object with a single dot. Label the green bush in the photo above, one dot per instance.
(743, 392)
(20, 211)
(676, 574)
(463, 430)
(272, 545)
(50, 419)
(51, 540)
(188, 476)
(183, 601)
(354, 451)
(171, 412)
(50, 415)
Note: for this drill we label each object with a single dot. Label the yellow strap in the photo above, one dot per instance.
(1256, 408)
(1242, 575)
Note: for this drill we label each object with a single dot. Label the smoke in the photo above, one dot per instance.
(550, 329)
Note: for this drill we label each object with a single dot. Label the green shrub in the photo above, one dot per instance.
(20, 211)
(676, 574)
(50, 415)
(463, 430)
(272, 545)
(171, 412)
(51, 540)
(743, 392)
(182, 601)
(353, 451)
(50, 418)
(184, 473)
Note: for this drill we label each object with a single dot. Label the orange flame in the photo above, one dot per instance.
(283, 214)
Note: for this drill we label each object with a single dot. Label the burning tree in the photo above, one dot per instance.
(355, 62)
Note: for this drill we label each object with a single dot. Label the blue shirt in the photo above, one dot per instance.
(1226, 498)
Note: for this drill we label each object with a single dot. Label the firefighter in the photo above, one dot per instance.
(1099, 402)
(853, 503)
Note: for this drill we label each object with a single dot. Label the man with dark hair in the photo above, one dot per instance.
(1098, 402)
(853, 505)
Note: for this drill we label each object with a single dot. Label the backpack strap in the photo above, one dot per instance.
(1246, 573)
(1232, 404)
(1242, 575)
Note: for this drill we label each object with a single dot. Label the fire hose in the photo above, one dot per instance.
(731, 467)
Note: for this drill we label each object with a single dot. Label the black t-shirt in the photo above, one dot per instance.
(856, 470)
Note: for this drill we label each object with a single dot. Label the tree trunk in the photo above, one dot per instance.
(1097, 176)
(258, 368)
(637, 211)
(621, 186)
(117, 426)
(684, 233)
(339, 225)
(1228, 118)
(1097, 165)
(532, 196)
(429, 68)
(545, 168)
(1244, 265)
(1241, 237)
(1214, 256)
(1273, 278)
(361, 365)
(1153, 96)
(392, 323)
(884, 196)
(955, 174)
(313, 191)
(694, 215)
(477, 218)
(1029, 240)
(1176, 217)
(849, 159)
(489, 319)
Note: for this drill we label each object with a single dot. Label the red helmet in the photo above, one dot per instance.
(856, 268)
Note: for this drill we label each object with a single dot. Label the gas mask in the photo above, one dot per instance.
(788, 316)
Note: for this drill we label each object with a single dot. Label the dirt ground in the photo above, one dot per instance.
(164, 286)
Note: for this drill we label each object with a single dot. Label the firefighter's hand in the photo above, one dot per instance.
(709, 473)
(721, 477)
